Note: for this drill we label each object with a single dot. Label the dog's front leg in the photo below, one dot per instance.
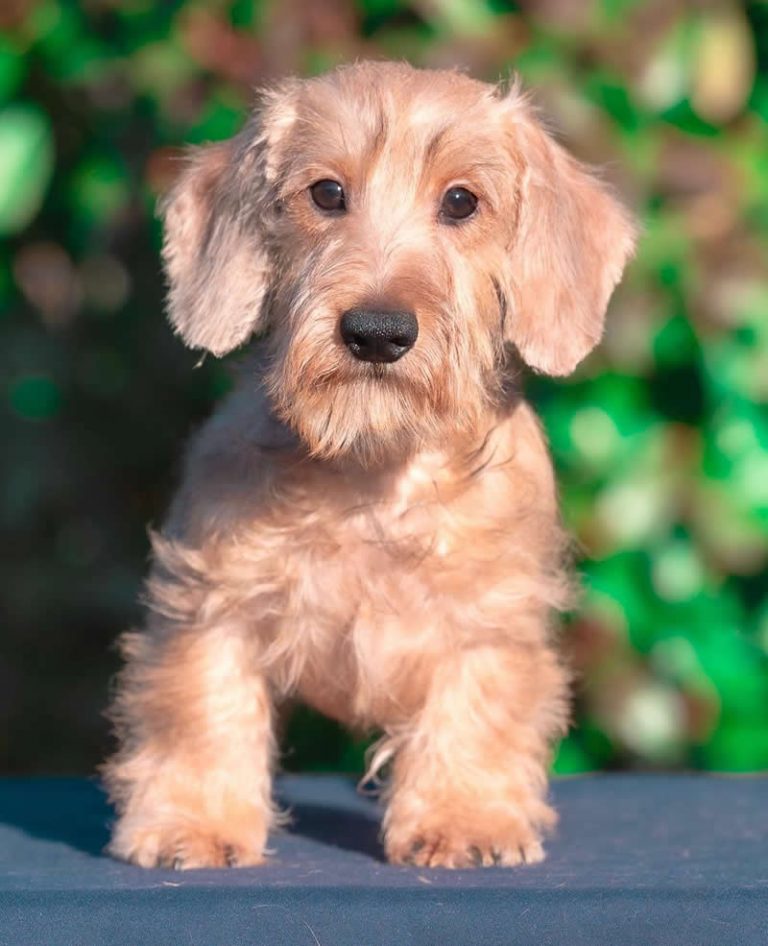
(192, 779)
(469, 779)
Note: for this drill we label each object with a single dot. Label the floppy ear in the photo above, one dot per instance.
(216, 268)
(572, 242)
(216, 216)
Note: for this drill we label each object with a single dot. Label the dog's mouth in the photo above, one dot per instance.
(356, 374)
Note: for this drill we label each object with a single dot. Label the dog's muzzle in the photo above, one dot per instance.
(377, 336)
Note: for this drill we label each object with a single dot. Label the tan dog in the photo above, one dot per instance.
(369, 522)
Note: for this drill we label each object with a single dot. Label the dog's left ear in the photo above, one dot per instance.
(572, 241)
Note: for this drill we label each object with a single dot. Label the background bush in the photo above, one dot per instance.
(661, 439)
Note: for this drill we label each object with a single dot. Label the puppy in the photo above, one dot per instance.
(369, 522)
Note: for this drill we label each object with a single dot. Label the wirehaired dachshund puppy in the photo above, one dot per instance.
(369, 521)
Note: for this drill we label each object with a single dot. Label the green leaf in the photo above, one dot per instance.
(11, 69)
(26, 164)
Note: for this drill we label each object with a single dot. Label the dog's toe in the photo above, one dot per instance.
(184, 848)
(448, 847)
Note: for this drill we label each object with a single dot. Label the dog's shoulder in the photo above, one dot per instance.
(231, 460)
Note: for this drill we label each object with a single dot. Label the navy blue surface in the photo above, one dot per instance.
(637, 860)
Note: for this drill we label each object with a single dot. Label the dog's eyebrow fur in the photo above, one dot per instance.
(433, 146)
(502, 299)
(380, 135)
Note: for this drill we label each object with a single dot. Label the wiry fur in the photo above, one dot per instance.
(381, 541)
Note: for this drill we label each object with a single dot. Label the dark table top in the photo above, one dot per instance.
(637, 859)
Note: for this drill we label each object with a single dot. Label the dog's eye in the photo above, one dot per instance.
(458, 204)
(328, 195)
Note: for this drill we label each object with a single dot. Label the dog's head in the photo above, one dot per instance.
(394, 230)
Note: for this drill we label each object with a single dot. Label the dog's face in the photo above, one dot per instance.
(394, 230)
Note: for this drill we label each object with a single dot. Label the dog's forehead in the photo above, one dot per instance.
(398, 95)
(359, 106)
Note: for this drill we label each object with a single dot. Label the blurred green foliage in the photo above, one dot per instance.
(661, 439)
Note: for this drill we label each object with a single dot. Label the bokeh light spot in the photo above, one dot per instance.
(594, 433)
(677, 572)
(652, 722)
(35, 397)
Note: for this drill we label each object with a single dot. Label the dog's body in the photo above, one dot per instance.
(369, 523)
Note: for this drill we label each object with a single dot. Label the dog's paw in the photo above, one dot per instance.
(460, 846)
(183, 847)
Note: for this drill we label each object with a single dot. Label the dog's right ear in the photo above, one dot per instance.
(216, 269)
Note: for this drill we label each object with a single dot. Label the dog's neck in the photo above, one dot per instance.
(462, 455)
(463, 450)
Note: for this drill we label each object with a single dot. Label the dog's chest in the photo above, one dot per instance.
(387, 555)
(407, 527)
(368, 588)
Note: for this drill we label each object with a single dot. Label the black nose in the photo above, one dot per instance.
(372, 335)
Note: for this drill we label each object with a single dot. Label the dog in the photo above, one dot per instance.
(369, 523)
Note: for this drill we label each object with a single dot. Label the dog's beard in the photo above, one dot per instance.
(370, 416)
